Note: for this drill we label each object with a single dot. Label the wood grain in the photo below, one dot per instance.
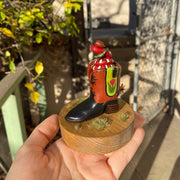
(87, 138)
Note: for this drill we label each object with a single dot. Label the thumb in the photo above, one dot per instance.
(44, 132)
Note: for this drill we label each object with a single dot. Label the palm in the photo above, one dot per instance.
(60, 162)
(76, 165)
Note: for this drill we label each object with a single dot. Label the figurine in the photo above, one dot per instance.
(104, 76)
(102, 122)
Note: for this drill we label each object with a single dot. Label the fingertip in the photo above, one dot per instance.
(139, 120)
(53, 117)
(138, 136)
(44, 132)
(51, 123)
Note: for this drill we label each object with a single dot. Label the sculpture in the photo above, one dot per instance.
(101, 123)
(104, 76)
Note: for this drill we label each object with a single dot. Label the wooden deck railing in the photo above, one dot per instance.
(11, 107)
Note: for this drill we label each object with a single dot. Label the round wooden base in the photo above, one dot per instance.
(100, 135)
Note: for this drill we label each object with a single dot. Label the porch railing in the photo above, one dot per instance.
(11, 107)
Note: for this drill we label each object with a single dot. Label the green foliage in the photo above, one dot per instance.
(10, 61)
(12, 66)
(33, 21)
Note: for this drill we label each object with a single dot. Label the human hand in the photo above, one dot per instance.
(35, 162)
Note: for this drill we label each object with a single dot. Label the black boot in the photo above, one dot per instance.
(89, 109)
(104, 76)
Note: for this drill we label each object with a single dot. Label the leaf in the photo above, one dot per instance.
(68, 10)
(38, 38)
(62, 24)
(77, 1)
(29, 86)
(12, 66)
(29, 33)
(35, 10)
(7, 54)
(1, 3)
(28, 13)
(2, 16)
(68, 5)
(21, 26)
(21, 19)
(77, 7)
(49, 40)
(34, 96)
(7, 32)
(39, 15)
(39, 67)
(25, 39)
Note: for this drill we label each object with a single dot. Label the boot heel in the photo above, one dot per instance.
(112, 107)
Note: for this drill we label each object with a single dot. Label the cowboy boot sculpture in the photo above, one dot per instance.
(104, 76)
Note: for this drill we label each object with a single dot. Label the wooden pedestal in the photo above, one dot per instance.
(100, 135)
